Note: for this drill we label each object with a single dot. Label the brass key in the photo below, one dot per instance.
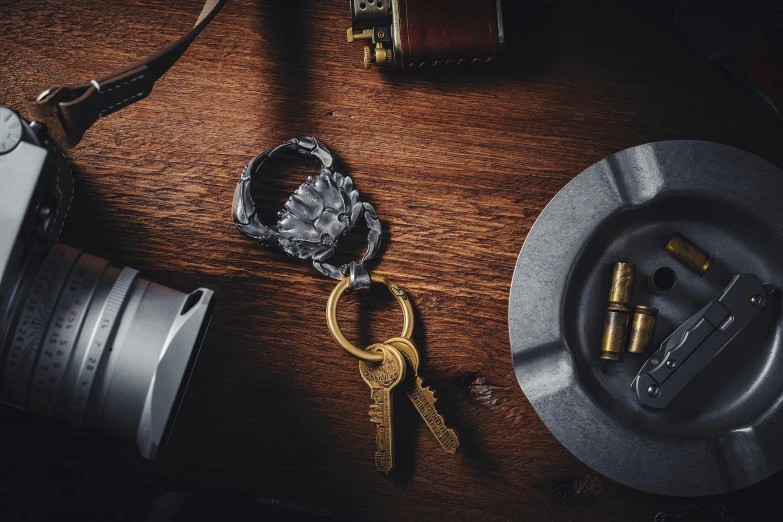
(423, 398)
(382, 377)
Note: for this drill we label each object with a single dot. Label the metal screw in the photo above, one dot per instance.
(655, 362)
(671, 364)
(653, 391)
(757, 301)
(381, 34)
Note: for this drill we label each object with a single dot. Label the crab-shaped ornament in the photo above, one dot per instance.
(322, 209)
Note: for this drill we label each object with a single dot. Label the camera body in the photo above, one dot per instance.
(37, 188)
(81, 340)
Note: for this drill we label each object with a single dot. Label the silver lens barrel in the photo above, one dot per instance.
(102, 347)
(145, 374)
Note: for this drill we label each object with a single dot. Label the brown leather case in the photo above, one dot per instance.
(441, 32)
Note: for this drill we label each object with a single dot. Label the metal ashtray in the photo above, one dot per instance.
(724, 431)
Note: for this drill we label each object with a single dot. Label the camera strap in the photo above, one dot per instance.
(70, 110)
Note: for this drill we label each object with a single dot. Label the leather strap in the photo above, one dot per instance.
(69, 111)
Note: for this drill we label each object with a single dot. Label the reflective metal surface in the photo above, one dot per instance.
(322, 210)
(685, 353)
(80, 340)
(723, 432)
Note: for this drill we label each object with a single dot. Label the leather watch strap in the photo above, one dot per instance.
(69, 111)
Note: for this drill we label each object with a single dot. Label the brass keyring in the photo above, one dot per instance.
(334, 329)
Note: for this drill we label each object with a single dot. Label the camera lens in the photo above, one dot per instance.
(101, 347)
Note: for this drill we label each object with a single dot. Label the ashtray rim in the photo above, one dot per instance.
(544, 366)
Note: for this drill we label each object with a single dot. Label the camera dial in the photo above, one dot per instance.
(10, 130)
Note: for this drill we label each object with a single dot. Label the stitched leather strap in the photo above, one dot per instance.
(69, 111)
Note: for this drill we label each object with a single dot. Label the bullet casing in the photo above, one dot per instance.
(618, 312)
(615, 333)
(642, 330)
(621, 285)
(688, 253)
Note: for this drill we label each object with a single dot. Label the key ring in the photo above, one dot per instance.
(337, 334)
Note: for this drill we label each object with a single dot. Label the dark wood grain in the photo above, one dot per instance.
(458, 163)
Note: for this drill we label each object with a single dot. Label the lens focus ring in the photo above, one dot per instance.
(102, 335)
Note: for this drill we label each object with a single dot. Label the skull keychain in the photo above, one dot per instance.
(323, 209)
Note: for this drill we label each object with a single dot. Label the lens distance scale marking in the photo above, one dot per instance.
(61, 336)
(26, 340)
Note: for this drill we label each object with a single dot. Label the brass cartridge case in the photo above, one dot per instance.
(621, 284)
(615, 333)
(642, 330)
(617, 314)
(688, 253)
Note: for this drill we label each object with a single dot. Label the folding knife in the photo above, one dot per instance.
(699, 340)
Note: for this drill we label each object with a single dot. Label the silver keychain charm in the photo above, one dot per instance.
(317, 214)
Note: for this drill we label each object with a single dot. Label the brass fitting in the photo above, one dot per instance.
(364, 34)
(379, 55)
(688, 253)
(367, 57)
(642, 330)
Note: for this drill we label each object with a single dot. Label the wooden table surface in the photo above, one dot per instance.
(458, 164)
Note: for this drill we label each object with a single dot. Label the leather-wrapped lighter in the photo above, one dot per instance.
(409, 34)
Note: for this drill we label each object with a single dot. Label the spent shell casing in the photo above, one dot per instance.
(618, 312)
(688, 253)
(642, 330)
(621, 284)
(615, 333)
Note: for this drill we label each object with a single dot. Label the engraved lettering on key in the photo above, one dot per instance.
(382, 377)
(423, 398)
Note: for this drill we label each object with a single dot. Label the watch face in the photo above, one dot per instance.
(10, 130)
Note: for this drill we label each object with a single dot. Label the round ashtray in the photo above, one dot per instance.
(723, 431)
